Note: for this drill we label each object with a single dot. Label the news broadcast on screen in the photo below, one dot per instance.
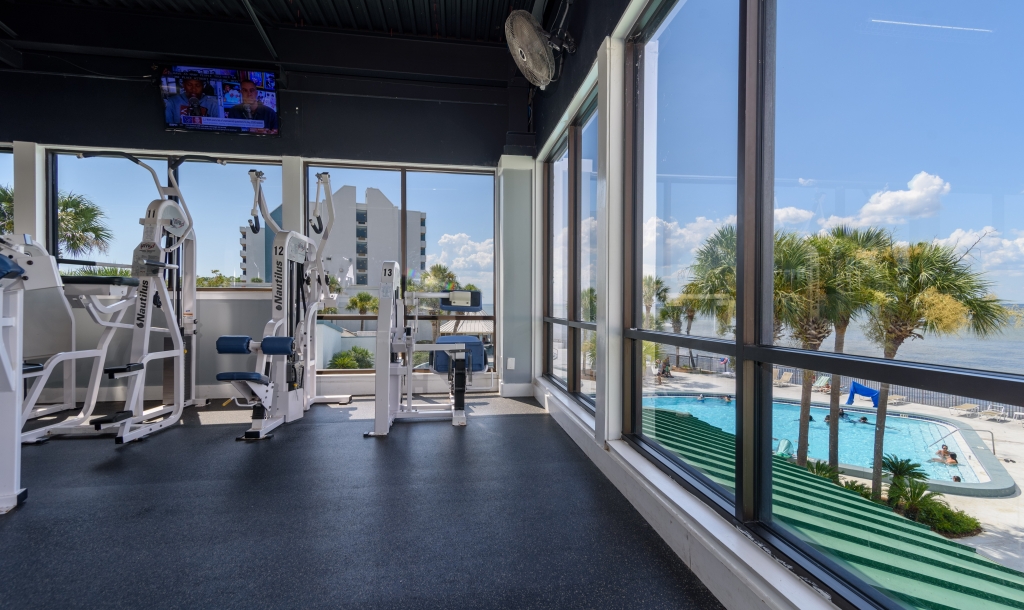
(214, 99)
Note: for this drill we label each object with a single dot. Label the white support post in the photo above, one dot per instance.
(514, 186)
(293, 195)
(30, 190)
(610, 168)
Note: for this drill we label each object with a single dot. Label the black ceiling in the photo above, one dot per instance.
(469, 20)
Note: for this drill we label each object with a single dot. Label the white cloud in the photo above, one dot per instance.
(922, 199)
(805, 181)
(461, 253)
(668, 241)
(792, 216)
(990, 249)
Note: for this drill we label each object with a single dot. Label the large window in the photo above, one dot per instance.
(6, 192)
(571, 238)
(686, 237)
(825, 280)
(438, 225)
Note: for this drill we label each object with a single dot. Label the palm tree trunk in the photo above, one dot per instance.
(805, 417)
(833, 401)
(689, 325)
(883, 405)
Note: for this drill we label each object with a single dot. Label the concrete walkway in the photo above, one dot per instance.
(1001, 518)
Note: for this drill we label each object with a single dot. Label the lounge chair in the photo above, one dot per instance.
(896, 399)
(784, 380)
(996, 413)
(821, 382)
(967, 409)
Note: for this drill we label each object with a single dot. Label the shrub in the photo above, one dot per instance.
(858, 487)
(950, 522)
(913, 497)
(824, 470)
(354, 358)
(902, 469)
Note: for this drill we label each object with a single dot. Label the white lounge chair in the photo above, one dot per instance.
(967, 409)
(784, 380)
(996, 413)
(896, 399)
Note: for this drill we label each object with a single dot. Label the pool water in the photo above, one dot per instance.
(906, 437)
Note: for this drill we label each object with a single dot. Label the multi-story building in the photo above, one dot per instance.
(367, 232)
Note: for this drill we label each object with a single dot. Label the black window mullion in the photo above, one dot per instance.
(573, 283)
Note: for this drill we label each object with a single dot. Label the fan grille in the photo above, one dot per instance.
(528, 43)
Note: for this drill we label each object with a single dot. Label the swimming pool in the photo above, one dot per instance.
(907, 437)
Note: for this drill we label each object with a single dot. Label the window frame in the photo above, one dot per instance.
(569, 141)
(751, 508)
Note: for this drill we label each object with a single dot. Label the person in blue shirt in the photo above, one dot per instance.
(191, 101)
(251, 108)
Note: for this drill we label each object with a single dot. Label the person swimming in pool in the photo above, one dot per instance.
(951, 460)
(862, 420)
(700, 398)
(943, 453)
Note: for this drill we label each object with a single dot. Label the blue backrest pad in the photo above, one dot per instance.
(474, 351)
(278, 346)
(9, 268)
(233, 344)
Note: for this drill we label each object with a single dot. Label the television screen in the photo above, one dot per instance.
(213, 99)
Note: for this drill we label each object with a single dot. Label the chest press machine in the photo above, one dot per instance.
(283, 385)
(457, 356)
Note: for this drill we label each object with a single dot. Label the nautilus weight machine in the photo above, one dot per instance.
(283, 385)
(11, 385)
(457, 356)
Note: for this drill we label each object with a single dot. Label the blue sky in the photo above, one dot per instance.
(904, 115)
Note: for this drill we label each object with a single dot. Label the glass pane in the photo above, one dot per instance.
(367, 232)
(588, 363)
(588, 221)
(688, 147)
(689, 408)
(902, 220)
(346, 344)
(560, 236)
(560, 352)
(101, 200)
(938, 486)
(220, 200)
(6, 192)
(451, 237)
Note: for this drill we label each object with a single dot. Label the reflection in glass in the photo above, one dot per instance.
(560, 236)
(690, 410)
(925, 458)
(588, 363)
(879, 182)
(560, 352)
(588, 221)
(688, 147)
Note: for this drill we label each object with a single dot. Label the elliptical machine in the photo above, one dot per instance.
(283, 385)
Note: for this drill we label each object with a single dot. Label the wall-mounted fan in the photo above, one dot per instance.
(533, 48)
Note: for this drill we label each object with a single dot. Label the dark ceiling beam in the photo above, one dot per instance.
(10, 56)
(82, 30)
(259, 28)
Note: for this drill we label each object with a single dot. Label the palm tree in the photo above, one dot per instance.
(924, 288)
(80, 226)
(802, 288)
(438, 278)
(849, 256)
(588, 304)
(364, 303)
(654, 290)
(905, 468)
(712, 291)
(673, 312)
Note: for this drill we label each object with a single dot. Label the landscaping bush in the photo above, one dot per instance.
(824, 470)
(355, 358)
(950, 522)
(858, 487)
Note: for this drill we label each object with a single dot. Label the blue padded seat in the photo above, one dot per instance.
(474, 351)
(9, 269)
(244, 376)
(278, 346)
(475, 303)
(233, 344)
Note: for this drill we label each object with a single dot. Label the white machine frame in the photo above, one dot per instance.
(12, 292)
(299, 287)
(399, 342)
(166, 219)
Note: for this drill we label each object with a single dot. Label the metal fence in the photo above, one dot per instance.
(915, 395)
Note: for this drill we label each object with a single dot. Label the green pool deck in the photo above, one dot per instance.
(905, 560)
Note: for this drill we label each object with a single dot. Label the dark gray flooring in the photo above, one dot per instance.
(505, 513)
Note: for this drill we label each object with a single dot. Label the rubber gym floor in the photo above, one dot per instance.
(505, 513)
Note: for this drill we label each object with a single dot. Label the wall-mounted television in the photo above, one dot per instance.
(219, 99)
